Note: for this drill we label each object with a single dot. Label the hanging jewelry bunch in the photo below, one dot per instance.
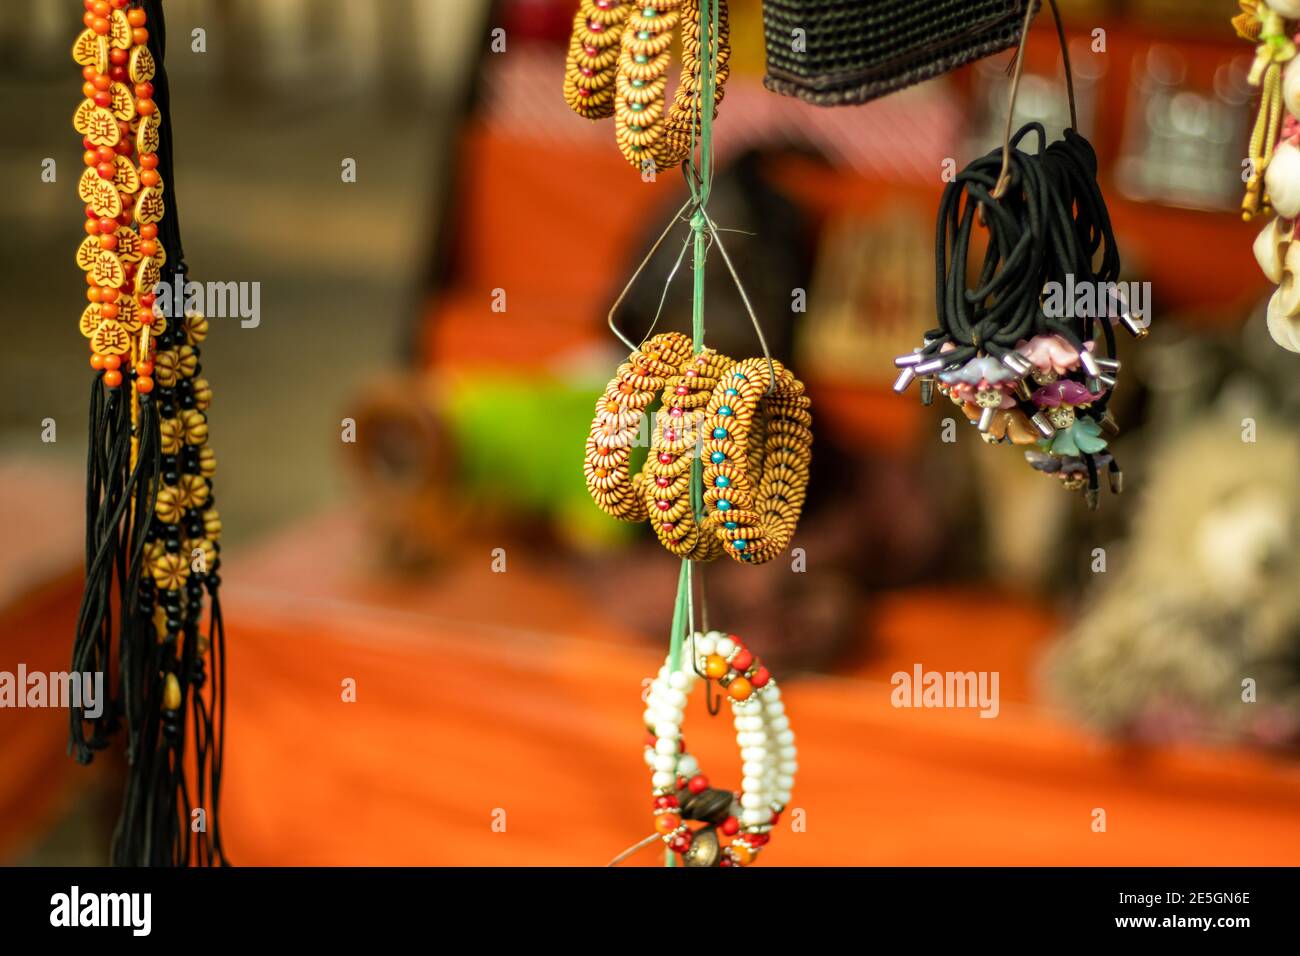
(1012, 351)
(730, 445)
(151, 529)
(618, 61)
(1273, 182)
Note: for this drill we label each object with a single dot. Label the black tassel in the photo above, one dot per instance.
(163, 693)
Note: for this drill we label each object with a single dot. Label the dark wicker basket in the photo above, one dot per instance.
(858, 50)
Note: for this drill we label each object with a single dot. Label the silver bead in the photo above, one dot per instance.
(911, 358)
(1017, 364)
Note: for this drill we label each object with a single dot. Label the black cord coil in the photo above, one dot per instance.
(1046, 223)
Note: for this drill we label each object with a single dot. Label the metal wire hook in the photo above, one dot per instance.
(744, 297)
(609, 319)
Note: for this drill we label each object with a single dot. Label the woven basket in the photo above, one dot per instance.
(854, 51)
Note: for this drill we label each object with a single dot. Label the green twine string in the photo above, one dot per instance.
(700, 180)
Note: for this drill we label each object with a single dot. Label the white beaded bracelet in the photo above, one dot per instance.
(767, 751)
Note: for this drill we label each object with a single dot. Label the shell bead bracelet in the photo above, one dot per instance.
(593, 57)
(617, 422)
(667, 484)
(754, 513)
(617, 65)
(767, 749)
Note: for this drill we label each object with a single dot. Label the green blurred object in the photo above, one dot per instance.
(521, 442)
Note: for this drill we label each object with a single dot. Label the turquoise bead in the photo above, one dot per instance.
(740, 544)
(731, 391)
(731, 526)
(725, 411)
(739, 375)
(719, 433)
(717, 458)
(641, 57)
(722, 481)
(724, 504)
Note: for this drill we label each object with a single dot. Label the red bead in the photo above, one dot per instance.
(665, 801)
(757, 839)
(103, 98)
(670, 435)
(663, 481)
(681, 842)
(682, 390)
(776, 817)
(699, 783)
(742, 659)
(668, 526)
(113, 378)
(144, 384)
(664, 505)
(761, 677)
(730, 826)
(107, 225)
(665, 458)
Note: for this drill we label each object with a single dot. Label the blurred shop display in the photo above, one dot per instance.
(857, 187)
(1199, 613)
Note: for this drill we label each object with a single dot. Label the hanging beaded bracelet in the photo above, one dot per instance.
(593, 57)
(754, 513)
(619, 414)
(672, 454)
(767, 749)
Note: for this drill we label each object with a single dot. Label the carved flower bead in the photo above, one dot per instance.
(212, 523)
(170, 430)
(195, 425)
(170, 571)
(202, 394)
(168, 507)
(193, 491)
(207, 462)
(196, 327)
(164, 367)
